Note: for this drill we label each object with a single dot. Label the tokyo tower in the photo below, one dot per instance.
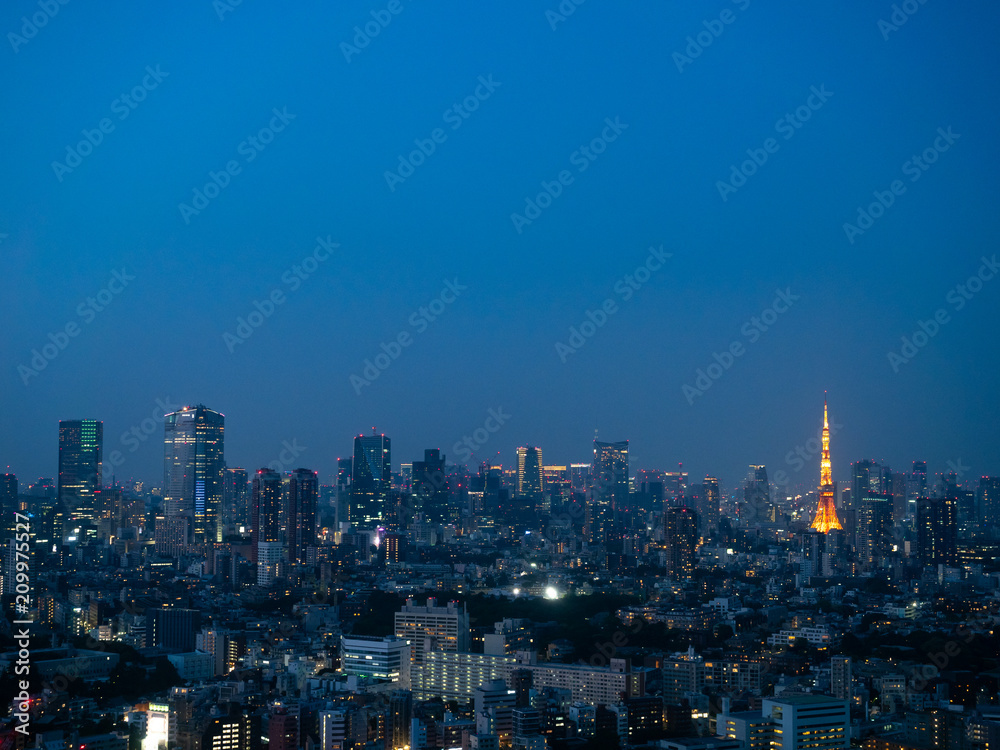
(826, 512)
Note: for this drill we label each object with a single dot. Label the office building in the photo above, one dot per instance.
(529, 472)
(378, 658)
(610, 489)
(868, 477)
(916, 487)
(808, 721)
(371, 481)
(81, 447)
(266, 546)
(937, 531)
(303, 496)
(988, 500)
(174, 628)
(429, 485)
(758, 508)
(236, 498)
(794, 722)
(8, 504)
(874, 530)
(193, 459)
(708, 510)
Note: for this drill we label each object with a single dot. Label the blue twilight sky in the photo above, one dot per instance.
(686, 112)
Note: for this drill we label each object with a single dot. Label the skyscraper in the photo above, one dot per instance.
(8, 503)
(813, 545)
(681, 540)
(916, 487)
(193, 465)
(937, 531)
(758, 507)
(710, 499)
(610, 488)
(989, 503)
(236, 497)
(371, 482)
(430, 487)
(826, 512)
(303, 494)
(81, 443)
(529, 472)
(265, 524)
(874, 530)
(868, 477)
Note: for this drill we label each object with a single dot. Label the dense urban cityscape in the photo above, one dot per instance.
(561, 375)
(520, 605)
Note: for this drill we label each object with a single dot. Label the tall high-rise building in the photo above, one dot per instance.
(81, 444)
(303, 494)
(813, 546)
(343, 497)
(371, 482)
(681, 541)
(898, 490)
(937, 531)
(266, 548)
(758, 507)
(429, 484)
(988, 499)
(916, 487)
(675, 485)
(826, 512)
(236, 497)
(874, 532)
(529, 472)
(610, 488)
(8, 504)
(710, 499)
(868, 477)
(193, 465)
(581, 476)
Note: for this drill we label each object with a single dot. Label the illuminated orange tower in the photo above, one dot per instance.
(826, 511)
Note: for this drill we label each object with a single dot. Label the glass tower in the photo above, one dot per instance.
(193, 469)
(81, 443)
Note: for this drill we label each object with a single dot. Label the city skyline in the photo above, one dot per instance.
(793, 470)
(620, 306)
(388, 375)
